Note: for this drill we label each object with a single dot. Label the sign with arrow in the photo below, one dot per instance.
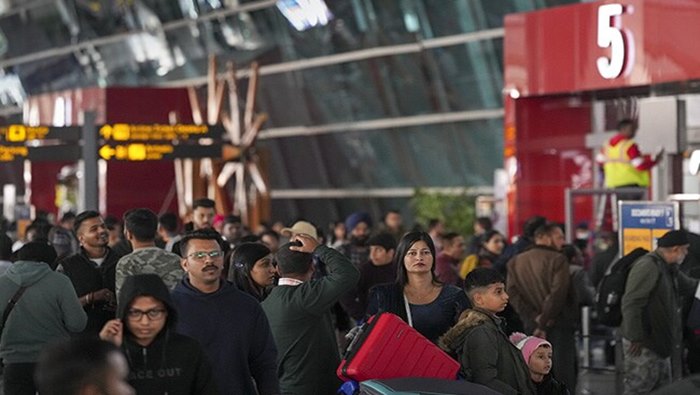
(142, 152)
(158, 132)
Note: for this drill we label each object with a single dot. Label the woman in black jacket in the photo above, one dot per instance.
(160, 360)
(417, 296)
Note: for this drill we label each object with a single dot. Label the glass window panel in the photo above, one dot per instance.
(460, 154)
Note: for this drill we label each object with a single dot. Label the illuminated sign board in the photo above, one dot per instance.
(23, 133)
(119, 141)
(142, 151)
(46, 153)
(145, 132)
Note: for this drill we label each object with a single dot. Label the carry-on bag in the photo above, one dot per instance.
(387, 347)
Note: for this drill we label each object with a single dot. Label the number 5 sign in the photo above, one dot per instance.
(620, 41)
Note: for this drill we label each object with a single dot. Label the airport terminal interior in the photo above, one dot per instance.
(315, 110)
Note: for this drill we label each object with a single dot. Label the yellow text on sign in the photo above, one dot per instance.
(136, 151)
(20, 133)
(8, 153)
(141, 132)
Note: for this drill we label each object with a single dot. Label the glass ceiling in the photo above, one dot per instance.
(49, 45)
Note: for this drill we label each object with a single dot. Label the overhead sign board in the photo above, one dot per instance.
(642, 223)
(142, 151)
(46, 153)
(24, 133)
(157, 132)
(121, 141)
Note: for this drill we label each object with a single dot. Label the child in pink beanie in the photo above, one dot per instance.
(537, 353)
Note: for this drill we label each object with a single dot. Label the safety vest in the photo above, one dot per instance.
(618, 168)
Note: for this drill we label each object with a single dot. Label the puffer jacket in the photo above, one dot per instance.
(485, 354)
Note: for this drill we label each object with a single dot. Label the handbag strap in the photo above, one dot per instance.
(408, 310)
(10, 305)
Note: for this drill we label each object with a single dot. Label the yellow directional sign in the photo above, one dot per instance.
(156, 132)
(141, 151)
(21, 133)
(136, 151)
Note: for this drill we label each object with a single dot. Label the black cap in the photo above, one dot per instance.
(673, 238)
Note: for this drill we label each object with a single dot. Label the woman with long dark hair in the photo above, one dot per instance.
(417, 296)
(252, 270)
(490, 247)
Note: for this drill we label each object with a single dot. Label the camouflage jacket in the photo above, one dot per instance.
(150, 260)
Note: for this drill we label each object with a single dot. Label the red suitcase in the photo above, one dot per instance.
(387, 347)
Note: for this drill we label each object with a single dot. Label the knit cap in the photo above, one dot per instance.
(673, 238)
(528, 344)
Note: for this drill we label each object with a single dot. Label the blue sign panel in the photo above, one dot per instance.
(642, 223)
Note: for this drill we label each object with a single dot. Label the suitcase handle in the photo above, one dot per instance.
(365, 330)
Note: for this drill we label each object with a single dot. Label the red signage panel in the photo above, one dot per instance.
(601, 45)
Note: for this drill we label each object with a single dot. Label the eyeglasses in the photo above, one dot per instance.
(201, 255)
(152, 314)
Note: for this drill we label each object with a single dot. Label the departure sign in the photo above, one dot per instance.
(143, 132)
(141, 151)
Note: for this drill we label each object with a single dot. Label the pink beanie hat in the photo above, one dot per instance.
(528, 344)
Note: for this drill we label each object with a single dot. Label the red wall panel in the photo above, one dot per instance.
(142, 184)
(550, 156)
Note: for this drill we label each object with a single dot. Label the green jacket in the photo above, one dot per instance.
(485, 354)
(48, 311)
(300, 319)
(651, 304)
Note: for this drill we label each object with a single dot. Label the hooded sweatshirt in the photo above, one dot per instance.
(172, 364)
(47, 312)
(235, 334)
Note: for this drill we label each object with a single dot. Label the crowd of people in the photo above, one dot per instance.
(217, 309)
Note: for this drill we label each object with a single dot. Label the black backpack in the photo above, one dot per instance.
(608, 302)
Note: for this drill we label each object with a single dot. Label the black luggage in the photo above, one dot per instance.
(423, 386)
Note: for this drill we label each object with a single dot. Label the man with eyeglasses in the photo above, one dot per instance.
(160, 361)
(230, 325)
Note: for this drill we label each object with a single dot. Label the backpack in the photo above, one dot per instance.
(608, 303)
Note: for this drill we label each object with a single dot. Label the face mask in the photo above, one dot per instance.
(582, 234)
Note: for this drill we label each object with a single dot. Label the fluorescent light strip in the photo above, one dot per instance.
(384, 123)
(354, 56)
(374, 192)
